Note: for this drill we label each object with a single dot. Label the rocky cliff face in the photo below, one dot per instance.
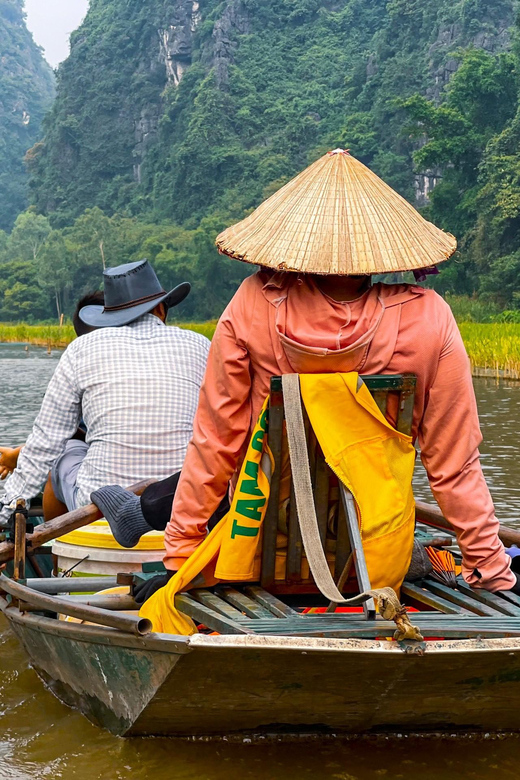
(188, 108)
(220, 51)
(26, 90)
(176, 41)
(491, 31)
(493, 34)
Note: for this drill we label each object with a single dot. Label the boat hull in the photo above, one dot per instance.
(204, 685)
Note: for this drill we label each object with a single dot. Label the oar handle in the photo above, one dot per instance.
(64, 524)
(432, 515)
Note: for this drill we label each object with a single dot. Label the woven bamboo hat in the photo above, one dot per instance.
(337, 217)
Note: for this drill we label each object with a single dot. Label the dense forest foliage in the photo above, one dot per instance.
(174, 118)
(43, 271)
(26, 91)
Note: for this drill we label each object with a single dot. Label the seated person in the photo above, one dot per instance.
(134, 381)
(312, 308)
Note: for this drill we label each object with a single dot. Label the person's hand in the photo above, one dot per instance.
(8, 460)
(146, 589)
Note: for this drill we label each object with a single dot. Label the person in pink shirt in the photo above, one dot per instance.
(297, 320)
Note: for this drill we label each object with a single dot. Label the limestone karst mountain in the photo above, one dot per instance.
(182, 108)
(26, 91)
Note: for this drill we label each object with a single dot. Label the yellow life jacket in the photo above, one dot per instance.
(372, 459)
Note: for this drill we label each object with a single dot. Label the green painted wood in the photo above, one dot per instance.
(510, 597)
(389, 381)
(209, 617)
(265, 614)
(461, 628)
(426, 536)
(270, 602)
(492, 600)
(242, 602)
(425, 616)
(414, 591)
(468, 602)
(153, 567)
(214, 602)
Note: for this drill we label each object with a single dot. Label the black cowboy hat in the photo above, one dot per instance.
(131, 290)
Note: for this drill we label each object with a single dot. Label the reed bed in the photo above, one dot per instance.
(60, 336)
(53, 336)
(493, 348)
(206, 328)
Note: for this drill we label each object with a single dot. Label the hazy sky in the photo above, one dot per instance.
(51, 22)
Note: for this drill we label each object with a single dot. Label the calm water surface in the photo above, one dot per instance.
(40, 738)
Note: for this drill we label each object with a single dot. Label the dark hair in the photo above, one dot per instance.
(96, 298)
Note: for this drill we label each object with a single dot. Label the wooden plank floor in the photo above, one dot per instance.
(444, 612)
(460, 613)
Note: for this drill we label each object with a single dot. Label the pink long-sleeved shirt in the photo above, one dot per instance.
(282, 323)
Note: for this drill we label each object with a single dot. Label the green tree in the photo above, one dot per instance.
(135, 164)
(28, 236)
(56, 267)
(21, 295)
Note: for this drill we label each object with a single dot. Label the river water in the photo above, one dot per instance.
(41, 738)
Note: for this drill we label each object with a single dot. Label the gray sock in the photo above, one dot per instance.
(123, 512)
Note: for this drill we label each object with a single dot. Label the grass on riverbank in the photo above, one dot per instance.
(40, 335)
(493, 346)
(57, 337)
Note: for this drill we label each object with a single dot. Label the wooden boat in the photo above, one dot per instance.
(258, 663)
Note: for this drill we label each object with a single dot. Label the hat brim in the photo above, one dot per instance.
(97, 317)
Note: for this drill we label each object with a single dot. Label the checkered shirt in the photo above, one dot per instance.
(137, 389)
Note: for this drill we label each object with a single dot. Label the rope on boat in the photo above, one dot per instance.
(390, 608)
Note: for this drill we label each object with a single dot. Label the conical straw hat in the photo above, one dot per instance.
(337, 217)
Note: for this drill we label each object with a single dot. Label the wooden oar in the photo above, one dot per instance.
(432, 515)
(427, 513)
(63, 525)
